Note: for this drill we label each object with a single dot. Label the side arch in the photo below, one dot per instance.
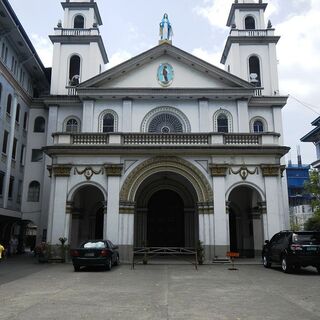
(166, 164)
(80, 185)
(246, 184)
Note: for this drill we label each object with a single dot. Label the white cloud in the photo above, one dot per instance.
(43, 47)
(119, 57)
(216, 12)
(211, 57)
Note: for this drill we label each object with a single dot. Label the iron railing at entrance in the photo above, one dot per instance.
(143, 254)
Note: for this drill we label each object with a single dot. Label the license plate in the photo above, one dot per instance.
(90, 254)
(311, 249)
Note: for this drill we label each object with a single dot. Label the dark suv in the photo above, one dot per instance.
(293, 250)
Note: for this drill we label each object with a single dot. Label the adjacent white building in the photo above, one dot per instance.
(164, 149)
(22, 78)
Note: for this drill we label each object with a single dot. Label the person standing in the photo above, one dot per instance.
(2, 250)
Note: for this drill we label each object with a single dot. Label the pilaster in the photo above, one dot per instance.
(204, 120)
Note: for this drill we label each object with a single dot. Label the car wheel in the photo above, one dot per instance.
(117, 262)
(76, 268)
(285, 266)
(109, 265)
(266, 262)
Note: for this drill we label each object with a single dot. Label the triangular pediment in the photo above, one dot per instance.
(185, 71)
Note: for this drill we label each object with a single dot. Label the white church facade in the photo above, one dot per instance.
(162, 150)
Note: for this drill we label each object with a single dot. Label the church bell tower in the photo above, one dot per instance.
(78, 49)
(250, 50)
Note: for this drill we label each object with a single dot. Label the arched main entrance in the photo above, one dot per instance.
(87, 214)
(165, 220)
(166, 212)
(245, 222)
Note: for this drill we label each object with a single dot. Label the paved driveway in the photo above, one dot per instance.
(159, 292)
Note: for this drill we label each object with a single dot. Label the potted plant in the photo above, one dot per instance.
(200, 252)
(42, 252)
(63, 248)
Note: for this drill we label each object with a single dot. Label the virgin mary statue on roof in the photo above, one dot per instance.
(165, 29)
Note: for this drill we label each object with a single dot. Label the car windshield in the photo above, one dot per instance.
(93, 244)
(308, 238)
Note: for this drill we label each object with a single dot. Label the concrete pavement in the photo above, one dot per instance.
(160, 292)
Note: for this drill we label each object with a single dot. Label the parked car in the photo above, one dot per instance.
(95, 253)
(293, 250)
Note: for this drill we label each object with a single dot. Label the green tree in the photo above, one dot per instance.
(313, 187)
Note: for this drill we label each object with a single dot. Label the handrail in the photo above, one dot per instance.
(152, 252)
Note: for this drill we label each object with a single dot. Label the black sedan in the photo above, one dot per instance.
(95, 253)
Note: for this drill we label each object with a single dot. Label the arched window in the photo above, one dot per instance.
(258, 126)
(78, 22)
(74, 70)
(72, 125)
(34, 191)
(39, 124)
(25, 119)
(9, 102)
(18, 113)
(165, 123)
(108, 123)
(249, 23)
(222, 123)
(254, 71)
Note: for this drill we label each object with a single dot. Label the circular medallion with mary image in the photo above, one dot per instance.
(165, 74)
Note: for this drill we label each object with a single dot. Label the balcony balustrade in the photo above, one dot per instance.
(252, 33)
(177, 139)
(77, 32)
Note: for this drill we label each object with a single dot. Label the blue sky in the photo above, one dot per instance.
(132, 26)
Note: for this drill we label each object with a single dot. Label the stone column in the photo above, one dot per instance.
(271, 175)
(206, 228)
(61, 173)
(113, 172)
(221, 218)
(67, 223)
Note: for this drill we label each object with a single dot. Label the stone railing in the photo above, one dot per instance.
(152, 138)
(252, 33)
(77, 32)
(72, 91)
(89, 138)
(178, 139)
(242, 139)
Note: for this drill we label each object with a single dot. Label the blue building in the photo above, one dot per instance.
(299, 201)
